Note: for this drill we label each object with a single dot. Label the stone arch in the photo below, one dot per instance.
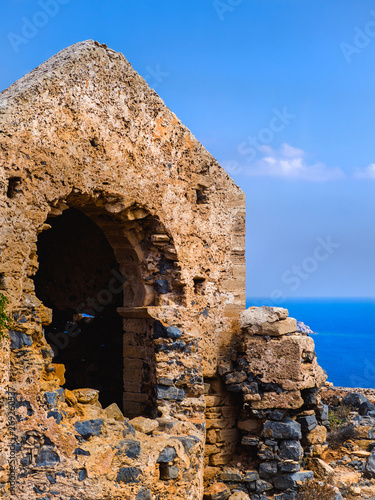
(131, 266)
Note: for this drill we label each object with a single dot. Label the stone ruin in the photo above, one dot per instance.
(132, 370)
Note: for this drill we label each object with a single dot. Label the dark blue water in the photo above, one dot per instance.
(345, 343)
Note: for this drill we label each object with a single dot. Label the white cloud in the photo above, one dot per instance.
(365, 173)
(290, 163)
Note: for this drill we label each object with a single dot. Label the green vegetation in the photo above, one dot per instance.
(5, 319)
(339, 416)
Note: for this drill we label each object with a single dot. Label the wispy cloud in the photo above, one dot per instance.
(288, 162)
(365, 173)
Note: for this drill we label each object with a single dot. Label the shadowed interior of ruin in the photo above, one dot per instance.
(79, 278)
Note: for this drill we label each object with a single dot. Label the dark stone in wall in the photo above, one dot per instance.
(365, 408)
(89, 428)
(128, 475)
(291, 450)
(27, 405)
(167, 455)
(82, 475)
(188, 442)
(170, 393)
(291, 480)
(173, 346)
(287, 429)
(47, 457)
(168, 472)
(309, 396)
(268, 469)
(56, 415)
(79, 451)
(322, 412)
(51, 478)
(236, 377)
(130, 448)
(266, 452)
(54, 397)
(18, 340)
(173, 332)
(261, 486)
(308, 423)
(290, 467)
(25, 461)
(250, 476)
(143, 494)
(128, 429)
(276, 415)
(161, 331)
(162, 286)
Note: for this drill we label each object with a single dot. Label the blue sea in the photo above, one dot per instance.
(345, 340)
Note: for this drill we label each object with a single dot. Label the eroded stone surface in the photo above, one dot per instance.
(257, 316)
(84, 132)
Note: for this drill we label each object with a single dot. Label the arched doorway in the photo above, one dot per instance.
(80, 280)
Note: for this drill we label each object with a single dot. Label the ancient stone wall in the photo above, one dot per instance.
(83, 136)
(128, 372)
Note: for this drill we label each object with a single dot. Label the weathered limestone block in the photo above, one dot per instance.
(317, 436)
(257, 316)
(59, 372)
(145, 425)
(113, 411)
(250, 425)
(86, 396)
(321, 469)
(280, 360)
(239, 495)
(288, 325)
(288, 399)
(217, 491)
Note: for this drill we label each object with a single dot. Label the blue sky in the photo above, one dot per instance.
(281, 92)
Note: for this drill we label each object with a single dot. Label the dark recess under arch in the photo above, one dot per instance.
(79, 278)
